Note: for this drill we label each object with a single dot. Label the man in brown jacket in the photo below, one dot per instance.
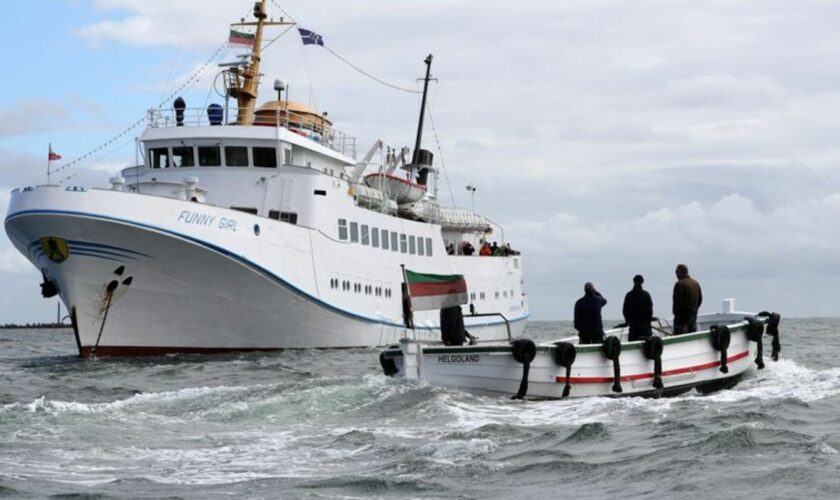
(687, 300)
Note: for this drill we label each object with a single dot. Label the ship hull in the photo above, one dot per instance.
(139, 280)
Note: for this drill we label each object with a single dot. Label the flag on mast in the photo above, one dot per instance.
(435, 291)
(53, 156)
(310, 37)
(241, 38)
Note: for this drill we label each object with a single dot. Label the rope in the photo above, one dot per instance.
(348, 63)
(191, 81)
(440, 153)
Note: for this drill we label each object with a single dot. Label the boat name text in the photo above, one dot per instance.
(201, 219)
(458, 358)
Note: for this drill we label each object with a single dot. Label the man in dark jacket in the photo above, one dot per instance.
(588, 316)
(687, 300)
(638, 310)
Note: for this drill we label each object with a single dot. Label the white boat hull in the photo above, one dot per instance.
(196, 288)
(688, 361)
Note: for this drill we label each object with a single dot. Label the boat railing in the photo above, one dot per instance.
(305, 125)
(500, 315)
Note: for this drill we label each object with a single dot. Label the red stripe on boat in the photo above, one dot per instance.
(426, 289)
(641, 376)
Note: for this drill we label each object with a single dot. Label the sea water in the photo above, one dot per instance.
(328, 424)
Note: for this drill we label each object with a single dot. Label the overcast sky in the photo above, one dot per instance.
(607, 138)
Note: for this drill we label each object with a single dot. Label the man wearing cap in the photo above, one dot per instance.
(588, 316)
(687, 300)
(638, 310)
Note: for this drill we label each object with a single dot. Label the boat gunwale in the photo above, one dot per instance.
(394, 352)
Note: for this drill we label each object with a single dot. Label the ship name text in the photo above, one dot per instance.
(207, 220)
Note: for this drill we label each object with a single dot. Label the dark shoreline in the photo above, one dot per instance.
(13, 326)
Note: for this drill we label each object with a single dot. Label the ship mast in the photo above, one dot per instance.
(242, 82)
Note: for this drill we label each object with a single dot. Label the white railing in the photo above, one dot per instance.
(305, 125)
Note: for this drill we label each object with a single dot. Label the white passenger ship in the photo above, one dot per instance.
(254, 231)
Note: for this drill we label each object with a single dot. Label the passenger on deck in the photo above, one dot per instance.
(486, 250)
(588, 315)
(497, 250)
(687, 300)
(467, 248)
(450, 249)
(638, 310)
(452, 330)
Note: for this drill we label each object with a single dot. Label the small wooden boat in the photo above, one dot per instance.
(727, 345)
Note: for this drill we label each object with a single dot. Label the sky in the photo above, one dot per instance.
(606, 138)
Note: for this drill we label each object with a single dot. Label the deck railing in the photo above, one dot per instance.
(306, 125)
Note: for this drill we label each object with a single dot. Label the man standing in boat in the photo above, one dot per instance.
(687, 300)
(588, 315)
(638, 310)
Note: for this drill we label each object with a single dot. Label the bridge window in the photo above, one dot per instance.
(403, 243)
(394, 247)
(421, 249)
(429, 247)
(209, 156)
(159, 158)
(354, 232)
(265, 157)
(374, 237)
(183, 157)
(342, 229)
(236, 156)
(412, 249)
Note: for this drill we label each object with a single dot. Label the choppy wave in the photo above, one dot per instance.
(328, 424)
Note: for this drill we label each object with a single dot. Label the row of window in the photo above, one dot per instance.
(481, 296)
(384, 239)
(216, 156)
(346, 286)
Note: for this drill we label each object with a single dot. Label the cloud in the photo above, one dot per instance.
(25, 116)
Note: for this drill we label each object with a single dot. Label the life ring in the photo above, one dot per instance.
(389, 366)
(721, 336)
(612, 350)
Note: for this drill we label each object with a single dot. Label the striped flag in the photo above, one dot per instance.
(241, 38)
(435, 291)
(53, 156)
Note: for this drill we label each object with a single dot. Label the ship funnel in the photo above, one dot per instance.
(179, 106)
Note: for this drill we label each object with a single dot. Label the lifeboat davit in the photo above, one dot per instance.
(402, 190)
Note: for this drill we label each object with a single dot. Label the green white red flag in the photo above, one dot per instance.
(435, 291)
(241, 38)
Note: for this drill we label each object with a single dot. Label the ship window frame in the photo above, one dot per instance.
(202, 158)
(374, 237)
(342, 229)
(190, 156)
(428, 247)
(412, 245)
(403, 243)
(394, 241)
(154, 158)
(365, 234)
(228, 156)
(354, 232)
(264, 159)
(421, 248)
(385, 240)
